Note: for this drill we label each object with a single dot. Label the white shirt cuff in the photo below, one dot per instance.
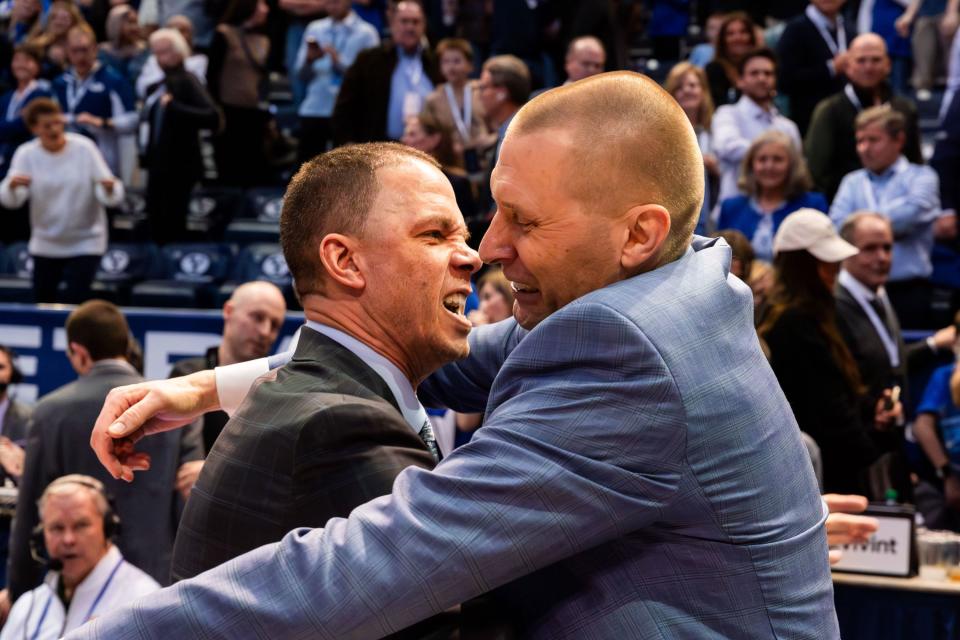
(234, 381)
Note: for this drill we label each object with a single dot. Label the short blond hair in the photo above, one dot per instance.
(674, 80)
(626, 121)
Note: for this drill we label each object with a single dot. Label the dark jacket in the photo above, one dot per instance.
(315, 439)
(174, 145)
(215, 421)
(59, 444)
(360, 114)
(824, 405)
(804, 76)
(16, 426)
(831, 142)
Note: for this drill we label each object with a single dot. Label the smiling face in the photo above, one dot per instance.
(551, 246)
(455, 67)
(771, 166)
(73, 533)
(738, 39)
(407, 26)
(49, 129)
(874, 238)
(759, 79)
(24, 67)
(869, 65)
(416, 266)
(59, 20)
(689, 93)
(493, 304)
(81, 52)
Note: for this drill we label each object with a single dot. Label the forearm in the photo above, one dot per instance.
(955, 386)
(925, 431)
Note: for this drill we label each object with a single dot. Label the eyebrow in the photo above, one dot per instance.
(444, 223)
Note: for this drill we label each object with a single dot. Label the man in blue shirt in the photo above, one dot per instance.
(328, 49)
(907, 193)
(97, 101)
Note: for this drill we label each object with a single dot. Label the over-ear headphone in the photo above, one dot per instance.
(111, 521)
(16, 376)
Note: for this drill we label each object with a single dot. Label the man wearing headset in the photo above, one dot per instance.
(87, 574)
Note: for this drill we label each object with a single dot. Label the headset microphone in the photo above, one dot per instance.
(55, 564)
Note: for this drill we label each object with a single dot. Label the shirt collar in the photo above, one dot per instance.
(89, 586)
(817, 17)
(350, 21)
(754, 110)
(413, 412)
(113, 364)
(410, 57)
(857, 288)
(899, 165)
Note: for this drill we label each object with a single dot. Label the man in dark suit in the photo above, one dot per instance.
(813, 57)
(333, 428)
(387, 84)
(58, 444)
(870, 328)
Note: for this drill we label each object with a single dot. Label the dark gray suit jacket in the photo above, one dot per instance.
(313, 440)
(16, 426)
(59, 444)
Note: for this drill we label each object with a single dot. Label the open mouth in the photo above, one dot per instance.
(520, 288)
(455, 303)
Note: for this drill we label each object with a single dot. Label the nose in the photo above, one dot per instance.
(466, 259)
(495, 246)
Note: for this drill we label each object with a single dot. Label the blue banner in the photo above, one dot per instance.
(36, 333)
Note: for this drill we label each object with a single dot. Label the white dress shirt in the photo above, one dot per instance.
(735, 126)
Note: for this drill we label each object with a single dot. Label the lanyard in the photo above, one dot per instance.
(103, 590)
(43, 616)
(883, 332)
(413, 69)
(74, 93)
(819, 22)
(852, 95)
(461, 119)
(16, 101)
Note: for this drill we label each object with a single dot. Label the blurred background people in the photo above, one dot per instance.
(125, 49)
(196, 63)
(13, 130)
(67, 183)
(426, 133)
(737, 37)
(52, 37)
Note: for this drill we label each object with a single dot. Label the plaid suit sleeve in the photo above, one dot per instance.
(586, 444)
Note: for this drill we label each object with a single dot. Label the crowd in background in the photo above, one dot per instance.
(830, 134)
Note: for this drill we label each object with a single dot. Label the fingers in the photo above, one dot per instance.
(843, 528)
(840, 503)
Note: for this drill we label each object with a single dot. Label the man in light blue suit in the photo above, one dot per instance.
(639, 473)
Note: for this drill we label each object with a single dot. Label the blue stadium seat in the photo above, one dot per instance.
(264, 204)
(247, 232)
(122, 266)
(191, 273)
(129, 224)
(211, 209)
(16, 274)
(261, 261)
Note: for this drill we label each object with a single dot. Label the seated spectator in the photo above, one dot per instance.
(737, 38)
(830, 143)
(68, 184)
(329, 47)
(736, 126)
(88, 575)
(196, 63)
(425, 133)
(14, 427)
(387, 84)
(810, 359)
(98, 101)
(252, 319)
(504, 87)
(774, 182)
(702, 54)
(688, 85)
(813, 58)
(937, 431)
(456, 104)
(125, 49)
(741, 262)
(908, 194)
(235, 78)
(52, 39)
(13, 130)
(97, 340)
(173, 116)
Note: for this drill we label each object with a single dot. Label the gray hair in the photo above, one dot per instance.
(174, 37)
(849, 226)
(72, 483)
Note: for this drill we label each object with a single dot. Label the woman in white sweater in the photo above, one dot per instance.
(68, 184)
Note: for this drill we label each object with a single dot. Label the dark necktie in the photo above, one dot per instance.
(881, 313)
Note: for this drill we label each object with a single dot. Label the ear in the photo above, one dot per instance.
(648, 226)
(228, 309)
(81, 353)
(338, 254)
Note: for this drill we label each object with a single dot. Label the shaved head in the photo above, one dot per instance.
(634, 145)
(252, 318)
(255, 291)
(868, 40)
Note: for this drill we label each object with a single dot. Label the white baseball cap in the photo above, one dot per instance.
(813, 231)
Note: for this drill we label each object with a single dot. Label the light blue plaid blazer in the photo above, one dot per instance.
(639, 474)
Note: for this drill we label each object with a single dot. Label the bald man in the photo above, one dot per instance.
(252, 319)
(639, 473)
(830, 144)
(585, 57)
